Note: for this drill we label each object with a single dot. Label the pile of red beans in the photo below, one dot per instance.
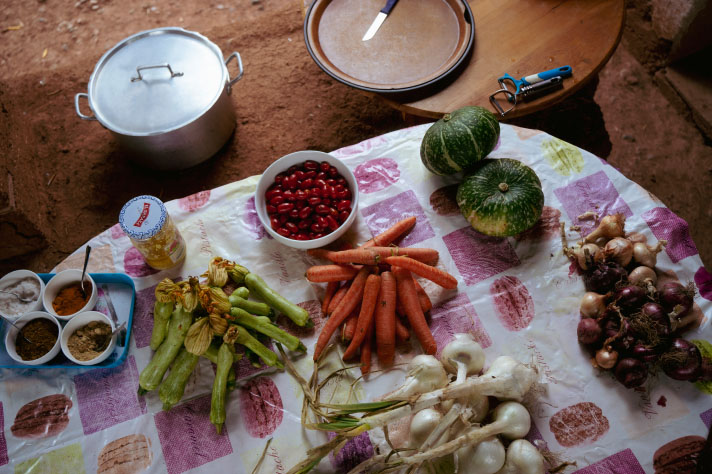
(308, 201)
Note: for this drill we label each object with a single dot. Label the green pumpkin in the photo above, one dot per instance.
(459, 140)
(501, 197)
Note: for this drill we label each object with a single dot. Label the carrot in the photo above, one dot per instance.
(385, 320)
(338, 296)
(365, 316)
(366, 349)
(349, 326)
(350, 300)
(327, 273)
(389, 236)
(433, 274)
(376, 255)
(319, 253)
(402, 332)
(331, 288)
(425, 303)
(409, 299)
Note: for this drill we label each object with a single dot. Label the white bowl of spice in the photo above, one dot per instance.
(25, 284)
(63, 297)
(86, 339)
(37, 341)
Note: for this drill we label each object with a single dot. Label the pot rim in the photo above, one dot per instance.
(225, 80)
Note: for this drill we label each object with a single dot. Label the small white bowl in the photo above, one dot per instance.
(282, 164)
(59, 281)
(79, 321)
(12, 277)
(12, 334)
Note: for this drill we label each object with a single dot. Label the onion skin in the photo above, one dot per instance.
(630, 297)
(610, 227)
(588, 331)
(592, 305)
(643, 274)
(603, 277)
(682, 361)
(606, 358)
(619, 250)
(645, 353)
(631, 372)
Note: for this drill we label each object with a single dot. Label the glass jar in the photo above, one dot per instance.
(152, 231)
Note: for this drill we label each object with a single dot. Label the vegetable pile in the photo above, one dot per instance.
(308, 201)
(467, 424)
(632, 324)
(193, 319)
(378, 282)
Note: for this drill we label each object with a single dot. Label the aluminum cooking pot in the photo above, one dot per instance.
(164, 94)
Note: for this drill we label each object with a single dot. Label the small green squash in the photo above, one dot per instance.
(501, 197)
(459, 140)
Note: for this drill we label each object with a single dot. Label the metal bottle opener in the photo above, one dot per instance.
(528, 87)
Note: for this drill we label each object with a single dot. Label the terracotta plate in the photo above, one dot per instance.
(420, 44)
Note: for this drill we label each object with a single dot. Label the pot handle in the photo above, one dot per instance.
(76, 107)
(230, 82)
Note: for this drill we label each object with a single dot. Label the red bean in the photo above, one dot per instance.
(290, 182)
(272, 192)
(303, 224)
(271, 209)
(302, 236)
(283, 218)
(341, 181)
(274, 222)
(324, 166)
(321, 175)
(333, 172)
(289, 196)
(319, 235)
(283, 232)
(309, 174)
(299, 174)
(292, 227)
(343, 215)
(277, 200)
(343, 205)
(316, 192)
(333, 212)
(279, 177)
(285, 207)
(314, 201)
(321, 220)
(311, 165)
(316, 228)
(306, 183)
(322, 209)
(333, 225)
(330, 182)
(340, 194)
(294, 213)
(305, 212)
(300, 195)
(292, 169)
(326, 201)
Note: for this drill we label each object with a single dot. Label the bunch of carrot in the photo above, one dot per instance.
(367, 286)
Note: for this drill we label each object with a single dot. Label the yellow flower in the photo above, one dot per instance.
(199, 336)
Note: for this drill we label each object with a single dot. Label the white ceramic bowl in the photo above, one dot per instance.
(12, 334)
(77, 322)
(59, 281)
(9, 279)
(296, 158)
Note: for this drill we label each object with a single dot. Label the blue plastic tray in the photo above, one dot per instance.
(123, 295)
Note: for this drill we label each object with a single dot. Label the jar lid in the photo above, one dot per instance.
(142, 217)
(156, 81)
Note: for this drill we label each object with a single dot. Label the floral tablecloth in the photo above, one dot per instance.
(101, 424)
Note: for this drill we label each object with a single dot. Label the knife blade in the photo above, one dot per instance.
(378, 21)
(121, 339)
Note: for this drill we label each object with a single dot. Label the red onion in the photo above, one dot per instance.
(645, 353)
(588, 331)
(657, 314)
(676, 297)
(682, 361)
(603, 276)
(631, 372)
(629, 297)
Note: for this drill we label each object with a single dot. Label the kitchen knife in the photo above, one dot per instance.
(378, 21)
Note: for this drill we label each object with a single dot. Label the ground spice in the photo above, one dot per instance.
(42, 332)
(89, 341)
(69, 300)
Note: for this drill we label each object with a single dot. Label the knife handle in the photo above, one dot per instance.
(389, 6)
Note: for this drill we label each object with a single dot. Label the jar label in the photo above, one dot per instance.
(142, 217)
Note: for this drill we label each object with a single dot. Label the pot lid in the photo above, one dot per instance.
(156, 81)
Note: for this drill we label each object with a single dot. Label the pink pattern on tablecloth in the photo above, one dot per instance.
(107, 397)
(361, 147)
(547, 227)
(707, 418)
(188, 439)
(3, 443)
(665, 225)
(355, 451)
(592, 193)
(261, 408)
(512, 302)
(117, 232)
(623, 462)
(194, 201)
(376, 175)
(135, 265)
(457, 315)
(384, 214)
(313, 307)
(252, 220)
(143, 316)
(703, 280)
(478, 256)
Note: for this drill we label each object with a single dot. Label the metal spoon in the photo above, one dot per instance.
(107, 340)
(24, 300)
(84, 271)
(19, 331)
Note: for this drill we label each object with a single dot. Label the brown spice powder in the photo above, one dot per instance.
(43, 334)
(89, 341)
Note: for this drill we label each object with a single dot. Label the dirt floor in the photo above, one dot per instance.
(63, 180)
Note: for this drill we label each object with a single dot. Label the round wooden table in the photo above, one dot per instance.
(523, 37)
